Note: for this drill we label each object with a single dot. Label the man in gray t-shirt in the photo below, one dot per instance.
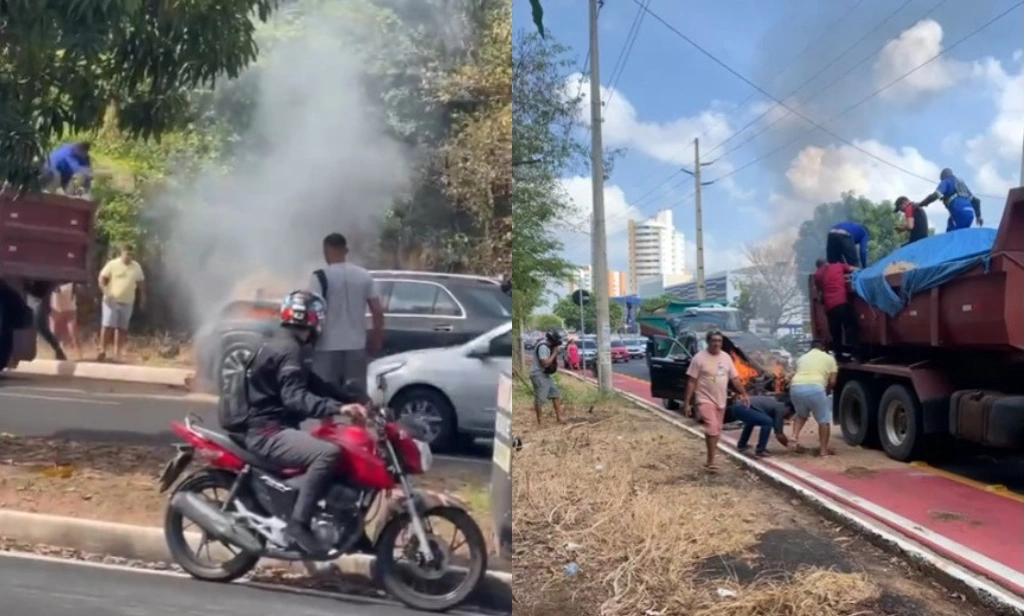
(349, 290)
(545, 364)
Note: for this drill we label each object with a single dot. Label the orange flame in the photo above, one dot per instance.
(747, 372)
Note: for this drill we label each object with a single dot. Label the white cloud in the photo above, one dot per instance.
(994, 155)
(667, 142)
(819, 174)
(617, 211)
(912, 48)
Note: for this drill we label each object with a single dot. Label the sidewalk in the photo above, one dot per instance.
(970, 524)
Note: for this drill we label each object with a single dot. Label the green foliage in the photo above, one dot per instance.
(744, 302)
(790, 343)
(655, 303)
(66, 61)
(544, 321)
(538, 15)
(879, 219)
(569, 312)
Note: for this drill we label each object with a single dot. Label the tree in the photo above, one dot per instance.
(538, 15)
(655, 303)
(544, 321)
(66, 64)
(744, 302)
(771, 282)
(878, 218)
(570, 314)
(542, 149)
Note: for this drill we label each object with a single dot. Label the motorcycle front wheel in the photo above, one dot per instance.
(457, 569)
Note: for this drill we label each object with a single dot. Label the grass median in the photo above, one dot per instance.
(614, 516)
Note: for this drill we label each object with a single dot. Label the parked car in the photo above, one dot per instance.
(422, 310)
(588, 352)
(452, 391)
(637, 347)
(619, 351)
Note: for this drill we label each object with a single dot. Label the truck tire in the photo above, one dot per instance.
(858, 419)
(901, 424)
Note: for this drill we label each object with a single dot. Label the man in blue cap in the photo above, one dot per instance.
(848, 243)
(964, 208)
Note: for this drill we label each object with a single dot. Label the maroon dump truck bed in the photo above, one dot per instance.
(978, 309)
(43, 237)
(46, 237)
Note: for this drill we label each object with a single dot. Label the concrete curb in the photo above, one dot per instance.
(172, 377)
(147, 544)
(866, 519)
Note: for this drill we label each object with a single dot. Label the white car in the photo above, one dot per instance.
(451, 390)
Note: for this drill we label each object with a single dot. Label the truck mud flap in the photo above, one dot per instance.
(987, 418)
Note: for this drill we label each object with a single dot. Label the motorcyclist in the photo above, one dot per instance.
(964, 208)
(283, 392)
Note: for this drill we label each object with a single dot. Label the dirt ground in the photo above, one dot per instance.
(117, 483)
(153, 351)
(614, 515)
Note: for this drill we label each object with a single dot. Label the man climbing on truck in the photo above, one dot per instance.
(830, 283)
(914, 222)
(848, 243)
(964, 208)
(66, 162)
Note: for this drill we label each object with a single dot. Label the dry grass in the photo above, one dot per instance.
(623, 497)
(158, 351)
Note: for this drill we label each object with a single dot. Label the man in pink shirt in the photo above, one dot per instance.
(710, 373)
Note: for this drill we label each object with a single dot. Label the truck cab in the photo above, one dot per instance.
(43, 238)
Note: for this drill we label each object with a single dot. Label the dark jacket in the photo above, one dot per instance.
(284, 392)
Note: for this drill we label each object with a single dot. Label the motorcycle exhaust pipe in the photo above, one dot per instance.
(216, 523)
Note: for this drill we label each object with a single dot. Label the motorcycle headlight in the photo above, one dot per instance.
(426, 455)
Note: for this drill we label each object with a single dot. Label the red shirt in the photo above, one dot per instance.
(830, 279)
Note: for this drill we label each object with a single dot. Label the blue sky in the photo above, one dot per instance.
(964, 111)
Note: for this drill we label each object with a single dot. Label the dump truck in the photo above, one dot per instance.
(44, 237)
(946, 367)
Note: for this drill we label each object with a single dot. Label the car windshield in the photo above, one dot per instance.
(587, 344)
(618, 344)
(487, 337)
(634, 342)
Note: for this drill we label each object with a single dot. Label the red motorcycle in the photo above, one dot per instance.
(369, 507)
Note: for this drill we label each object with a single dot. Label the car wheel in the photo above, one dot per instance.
(435, 412)
(236, 350)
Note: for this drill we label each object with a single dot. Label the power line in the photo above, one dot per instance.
(815, 125)
(752, 95)
(802, 116)
(627, 49)
(817, 74)
(825, 89)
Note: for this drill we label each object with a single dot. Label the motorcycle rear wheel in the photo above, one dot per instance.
(174, 533)
(389, 572)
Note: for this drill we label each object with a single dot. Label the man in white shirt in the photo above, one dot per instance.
(341, 351)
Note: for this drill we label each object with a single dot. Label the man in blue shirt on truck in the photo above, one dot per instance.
(66, 162)
(964, 208)
(848, 243)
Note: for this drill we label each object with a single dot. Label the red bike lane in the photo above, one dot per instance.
(979, 528)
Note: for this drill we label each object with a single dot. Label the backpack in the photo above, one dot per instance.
(553, 368)
(233, 408)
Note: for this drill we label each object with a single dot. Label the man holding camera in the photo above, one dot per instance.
(545, 365)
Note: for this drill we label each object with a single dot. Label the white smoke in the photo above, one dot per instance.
(319, 158)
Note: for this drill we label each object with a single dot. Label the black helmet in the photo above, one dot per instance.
(303, 310)
(554, 336)
(947, 172)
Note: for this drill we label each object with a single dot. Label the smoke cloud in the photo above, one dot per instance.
(318, 157)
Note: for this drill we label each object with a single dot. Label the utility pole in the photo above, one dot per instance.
(598, 238)
(1022, 161)
(702, 291)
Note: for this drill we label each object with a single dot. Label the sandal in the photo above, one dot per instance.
(711, 468)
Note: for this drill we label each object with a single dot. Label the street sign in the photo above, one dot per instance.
(580, 296)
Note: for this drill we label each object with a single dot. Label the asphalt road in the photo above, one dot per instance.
(102, 411)
(53, 588)
(971, 462)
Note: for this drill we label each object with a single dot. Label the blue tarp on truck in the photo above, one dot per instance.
(936, 260)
